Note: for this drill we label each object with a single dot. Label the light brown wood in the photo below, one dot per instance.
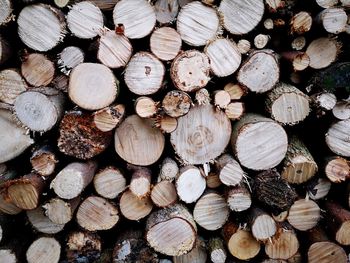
(109, 182)
(140, 183)
(134, 208)
(202, 97)
(236, 91)
(301, 23)
(190, 184)
(230, 172)
(105, 5)
(239, 198)
(109, 117)
(168, 170)
(165, 42)
(11, 85)
(337, 138)
(176, 103)
(60, 211)
(217, 250)
(300, 60)
(326, 101)
(221, 98)
(319, 188)
(304, 214)
(261, 40)
(298, 43)
(145, 107)
(166, 10)
(322, 52)
(338, 220)
(5, 12)
(337, 169)
(235, 110)
(43, 160)
(243, 46)
(7, 207)
(198, 254)
(341, 110)
(326, 252)
(333, 20)
(44, 249)
(164, 194)
(165, 123)
(263, 226)
(213, 180)
(69, 58)
(41, 223)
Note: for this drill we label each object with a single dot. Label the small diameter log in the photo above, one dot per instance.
(60, 82)
(338, 219)
(202, 97)
(41, 223)
(230, 172)
(108, 118)
(337, 169)
(322, 52)
(190, 184)
(72, 180)
(138, 17)
(327, 3)
(239, 198)
(240, 17)
(268, 24)
(301, 23)
(259, 143)
(96, 213)
(326, 252)
(140, 184)
(164, 194)
(85, 20)
(171, 231)
(281, 217)
(211, 211)
(114, 50)
(165, 42)
(50, 21)
(105, 5)
(273, 191)
(44, 249)
(324, 101)
(44, 160)
(144, 73)
(235, 110)
(83, 81)
(176, 103)
(145, 107)
(341, 110)
(243, 46)
(60, 211)
(333, 20)
(261, 40)
(213, 180)
(221, 98)
(69, 58)
(217, 250)
(304, 214)
(207, 134)
(197, 255)
(166, 10)
(79, 136)
(298, 43)
(337, 138)
(8, 256)
(263, 226)
(5, 12)
(134, 208)
(299, 60)
(190, 70)
(109, 182)
(134, 136)
(168, 170)
(236, 91)
(260, 72)
(11, 85)
(165, 123)
(318, 188)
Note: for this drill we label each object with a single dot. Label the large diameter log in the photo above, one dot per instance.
(69, 58)
(326, 252)
(304, 214)
(109, 182)
(50, 21)
(134, 208)
(44, 249)
(171, 231)
(201, 135)
(337, 169)
(41, 223)
(134, 136)
(239, 198)
(230, 172)
(5, 12)
(11, 85)
(108, 118)
(92, 86)
(190, 184)
(339, 221)
(322, 52)
(60, 211)
(327, 3)
(165, 42)
(263, 226)
(258, 142)
(197, 255)
(166, 10)
(337, 138)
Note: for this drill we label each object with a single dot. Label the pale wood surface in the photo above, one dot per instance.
(134, 208)
(44, 249)
(165, 42)
(284, 245)
(42, 223)
(197, 255)
(239, 198)
(333, 20)
(230, 172)
(69, 58)
(164, 194)
(166, 10)
(108, 118)
(326, 252)
(322, 52)
(5, 11)
(176, 103)
(337, 138)
(109, 182)
(12, 84)
(60, 211)
(190, 184)
(304, 214)
(301, 22)
(243, 245)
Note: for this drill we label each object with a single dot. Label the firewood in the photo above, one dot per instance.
(235, 110)
(325, 101)
(165, 42)
(145, 107)
(108, 118)
(96, 213)
(300, 60)
(326, 3)
(341, 110)
(60, 82)
(304, 214)
(337, 138)
(11, 85)
(211, 211)
(82, 86)
(274, 5)
(176, 103)
(61, 3)
(268, 24)
(298, 43)
(221, 98)
(140, 184)
(190, 184)
(85, 20)
(114, 50)
(236, 91)
(43, 160)
(333, 20)
(213, 180)
(318, 188)
(253, 137)
(241, 17)
(164, 194)
(217, 250)
(326, 252)
(69, 58)
(168, 170)
(134, 208)
(261, 40)
(7, 207)
(337, 169)
(338, 219)
(230, 172)
(166, 10)
(243, 46)
(72, 180)
(41, 223)
(6, 12)
(50, 21)
(138, 17)
(135, 135)
(165, 123)
(202, 97)
(322, 52)
(197, 255)
(109, 182)
(301, 23)
(60, 211)
(263, 226)
(8, 256)
(239, 198)
(171, 231)
(44, 249)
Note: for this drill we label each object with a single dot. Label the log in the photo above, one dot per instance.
(190, 184)
(11, 85)
(109, 182)
(79, 136)
(301, 23)
(166, 10)
(6, 12)
(171, 231)
(322, 52)
(105, 5)
(207, 133)
(69, 58)
(61, 3)
(202, 97)
(341, 110)
(268, 24)
(165, 123)
(197, 255)
(239, 198)
(304, 214)
(326, 3)
(300, 60)
(60, 82)
(213, 180)
(108, 118)
(140, 183)
(164, 194)
(338, 220)
(263, 226)
(44, 249)
(318, 188)
(7, 207)
(85, 20)
(165, 42)
(230, 172)
(261, 40)
(44, 160)
(72, 180)
(325, 101)
(217, 250)
(96, 213)
(114, 50)
(235, 110)
(241, 17)
(138, 17)
(134, 136)
(243, 46)
(82, 86)
(176, 103)
(236, 91)
(260, 71)
(337, 169)
(326, 252)
(8, 256)
(190, 70)
(221, 98)
(298, 43)
(333, 20)
(168, 170)
(60, 211)
(49, 19)
(145, 107)
(337, 138)
(253, 137)
(41, 223)
(134, 208)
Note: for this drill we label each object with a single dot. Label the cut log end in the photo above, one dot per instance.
(165, 42)
(337, 138)
(69, 58)
(134, 208)
(109, 182)
(322, 52)
(44, 249)
(145, 107)
(283, 246)
(11, 85)
(327, 251)
(108, 118)
(176, 103)
(304, 214)
(243, 245)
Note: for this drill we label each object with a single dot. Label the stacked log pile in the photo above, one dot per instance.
(174, 131)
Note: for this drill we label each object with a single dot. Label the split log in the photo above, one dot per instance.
(40, 110)
(85, 20)
(165, 42)
(114, 50)
(322, 52)
(337, 138)
(298, 43)
(241, 17)
(261, 40)
(337, 169)
(108, 118)
(83, 81)
(171, 231)
(134, 208)
(259, 143)
(260, 72)
(166, 10)
(304, 214)
(44, 249)
(263, 226)
(140, 184)
(324, 101)
(341, 110)
(72, 180)
(43, 160)
(301, 23)
(50, 21)
(235, 110)
(190, 70)
(243, 46)
(217, 250)
(327, 3)
(239, 198)
(6, 12)
(211, 211)
(197, 23)
(135, 135)
(69, 58)
(207, 134)
(176, 103)
(96, 213)
(109, 182)
(138, 17)
(164, 194)
(319, 188)
(41, 223)
(11, 85)
(60, 211)
(168, 170)
(333, 20)
(190, 184)
(230, 172)
(145, 107)
(326, 252)
(221, 98)
(79, 136)
(339, 221)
